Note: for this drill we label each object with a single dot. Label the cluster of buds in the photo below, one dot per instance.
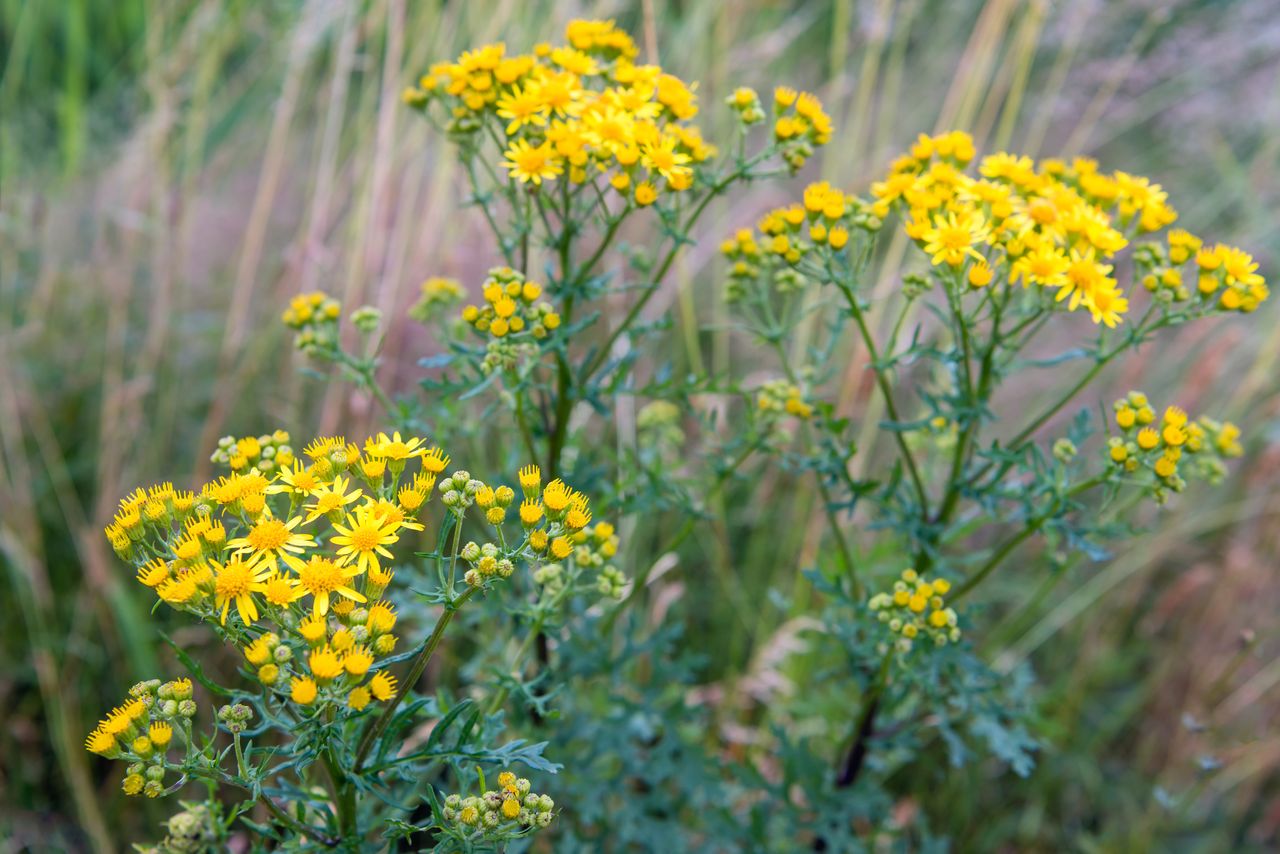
(437, 292)
(147, 511)
(780, 397)
(916, 608)
(314, 317)
(485, 562)
(799, 124)
(266, 453)
(511, 307)
(195, 829)
(140, 731)
(1162, 445)
(746, 103)
(498, 812)
(494, 503)
(235, 718)
(1231, 276)
(458, 491)
(367, 319)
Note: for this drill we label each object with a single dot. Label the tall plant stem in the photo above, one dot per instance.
(375, 730)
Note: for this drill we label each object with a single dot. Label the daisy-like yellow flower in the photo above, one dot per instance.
(950, 239)
(331, 498)
(394, 447)
(382, 686)
(532, 163)
(522, 107)
(278, 589)
(236, 581)
(365, 536)
(662, 157)
(320, 578)
(271, 541)
(299, 480)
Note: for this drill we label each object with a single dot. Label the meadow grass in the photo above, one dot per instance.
(173, 172)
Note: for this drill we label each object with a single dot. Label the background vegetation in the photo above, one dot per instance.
(172, 172)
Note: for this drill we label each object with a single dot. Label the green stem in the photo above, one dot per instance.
(375, 730)
(1003, 551)
(882, 383)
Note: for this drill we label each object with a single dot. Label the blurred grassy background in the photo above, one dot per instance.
(170, 172)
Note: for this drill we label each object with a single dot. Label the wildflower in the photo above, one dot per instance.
(324, 664)
(364, 537)
(237, 581)
(952, 237)
(531, 163)
(382, 686)
(302, 690)
(320, 578)
(270, 540)
(332, 497)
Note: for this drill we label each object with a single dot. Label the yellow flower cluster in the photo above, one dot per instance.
(512, 803)
(583, 108)
(1161, 445)
(266, 453)
(314, 316)
(917, 607)
(1051, 224)
(784, 237)
(303, 546)
(141, 729)
(778, 397)
(511, 307)
(437, 292)
(799, 124)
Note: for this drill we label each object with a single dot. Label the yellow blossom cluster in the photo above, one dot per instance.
(490, 815)
(314, 316)
(778, 397)
(306, 546)
(266, 453)
(1162, 444)
(799, 124)
(436, 293)
(1054, 224)
(512, 306)
(784, 237)
(916, 607)
(140, 730)
(583, 109)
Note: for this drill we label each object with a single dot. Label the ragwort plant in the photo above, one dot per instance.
(290, 559)
(1009, 252)
(564, 150)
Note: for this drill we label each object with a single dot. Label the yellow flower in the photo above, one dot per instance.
(364, 537)
(331, 498)
(321, 578)
(951, 238)
(324, 664)
(271, 539)
(358, 698)
(302, 690)
(531, 164)
(382, 686)
(645, 194)
(522, 107)
(237, 581)
(357, 661)
(393, 447)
